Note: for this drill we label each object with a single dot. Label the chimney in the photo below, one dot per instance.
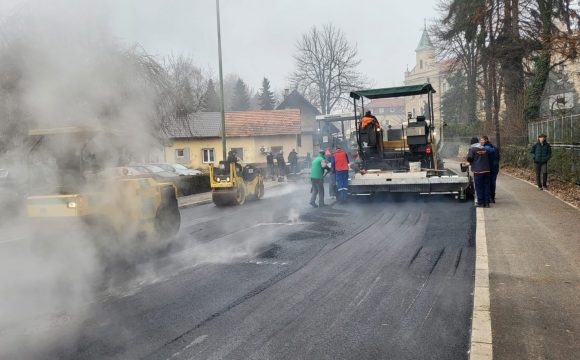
(286, 93)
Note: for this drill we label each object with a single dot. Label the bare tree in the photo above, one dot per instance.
(188, 84)
(326, 67)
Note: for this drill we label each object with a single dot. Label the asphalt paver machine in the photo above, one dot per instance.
(404, 160)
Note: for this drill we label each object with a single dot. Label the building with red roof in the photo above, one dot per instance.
(195, 141)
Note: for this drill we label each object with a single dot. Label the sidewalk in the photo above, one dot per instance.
(205, 198)
(533, 244)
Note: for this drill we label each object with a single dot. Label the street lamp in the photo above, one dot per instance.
(223, 114)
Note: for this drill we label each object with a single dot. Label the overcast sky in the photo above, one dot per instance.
(259, 36)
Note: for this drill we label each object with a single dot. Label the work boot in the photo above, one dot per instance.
(540, 188)
(313, 204)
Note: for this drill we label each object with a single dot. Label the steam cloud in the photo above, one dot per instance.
(60, 66)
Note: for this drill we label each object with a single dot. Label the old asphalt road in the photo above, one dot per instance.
(275, 279)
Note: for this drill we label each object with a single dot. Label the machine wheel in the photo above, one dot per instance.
(240, 196)
(219, 199)
(260, 190)
(168, 217)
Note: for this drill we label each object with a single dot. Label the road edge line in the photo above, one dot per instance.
(547, 191)
(481, 347)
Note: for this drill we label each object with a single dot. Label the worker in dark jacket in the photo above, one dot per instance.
(541, 154)
(293, 160)
(281, 166)
(270, 163)
(478, 159)
(493, 166)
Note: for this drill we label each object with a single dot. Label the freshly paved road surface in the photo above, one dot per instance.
(276, 279)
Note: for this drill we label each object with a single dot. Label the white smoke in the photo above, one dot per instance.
(60, 66)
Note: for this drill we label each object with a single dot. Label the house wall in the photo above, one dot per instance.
(193, 151)
(307, 144)
(251, 147)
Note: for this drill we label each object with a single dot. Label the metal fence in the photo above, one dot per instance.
(559, 130)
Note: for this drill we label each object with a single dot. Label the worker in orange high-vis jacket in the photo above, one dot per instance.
(341, 167)
(369, 119)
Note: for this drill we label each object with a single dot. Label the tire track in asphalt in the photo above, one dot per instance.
(271, 282)
(332, 286)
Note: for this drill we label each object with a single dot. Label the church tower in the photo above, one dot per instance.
(426, 70)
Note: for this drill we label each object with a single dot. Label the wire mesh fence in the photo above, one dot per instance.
(559, 130)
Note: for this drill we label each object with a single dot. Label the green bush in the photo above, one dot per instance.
(564, 164)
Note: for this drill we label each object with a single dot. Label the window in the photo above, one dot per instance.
(299, 140)
(420, 64)
(208, 156)
(239, 153)
(179, 153)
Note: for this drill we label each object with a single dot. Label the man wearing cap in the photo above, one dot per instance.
(341, 168)
(541, 154)
(317, 178)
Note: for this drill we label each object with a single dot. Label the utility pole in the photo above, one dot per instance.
(224, 151)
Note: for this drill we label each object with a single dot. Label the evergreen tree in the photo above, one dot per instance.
(211, 99)
(454, 104)
(266, 97)
(241, 97)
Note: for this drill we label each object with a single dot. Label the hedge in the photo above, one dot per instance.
(564, 164)
(188, 185)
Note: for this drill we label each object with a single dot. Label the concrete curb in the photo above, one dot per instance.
(548, 191)
(197, 203)
(481, 347)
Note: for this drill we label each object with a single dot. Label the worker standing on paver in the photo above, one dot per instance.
(341, 163)
(541, 154)
(478, 159)
(317, 179)
(493, 166)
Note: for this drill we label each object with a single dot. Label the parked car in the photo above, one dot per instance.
(178, 169)
(155, 170)
(159, 174)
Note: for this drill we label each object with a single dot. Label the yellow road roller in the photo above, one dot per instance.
(232, 183)
(76, 182)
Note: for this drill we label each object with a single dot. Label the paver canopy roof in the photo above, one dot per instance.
(392, 92)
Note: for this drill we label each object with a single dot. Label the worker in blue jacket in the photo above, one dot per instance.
(478, 158)
(493, 154)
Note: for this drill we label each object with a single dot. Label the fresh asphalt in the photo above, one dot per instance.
(276, 279)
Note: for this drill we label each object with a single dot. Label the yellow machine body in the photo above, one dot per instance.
(127, 206)
(232, 183)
